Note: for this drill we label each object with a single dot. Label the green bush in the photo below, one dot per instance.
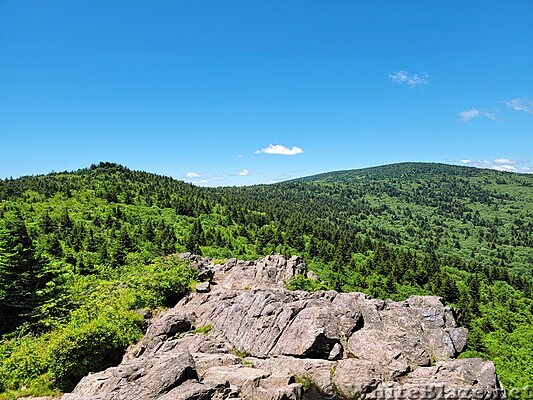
(94, 335)
(162, 283)
(22, 360)
(300, 282)
(93, 346)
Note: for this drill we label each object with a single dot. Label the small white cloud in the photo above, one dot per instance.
(505, 161)
(240, 156)
(192, 175)
(467, 115)
(218, 178)
(243, 172)
(281, 150)
(504, 167)
(483, 163)
(200, 182)
(520, 104)
(411, 80)
(501, 164)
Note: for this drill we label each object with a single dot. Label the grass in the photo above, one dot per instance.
(305, 381)
(203, 330)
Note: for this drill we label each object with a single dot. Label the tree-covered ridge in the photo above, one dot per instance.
(474, 213)
(458, 232)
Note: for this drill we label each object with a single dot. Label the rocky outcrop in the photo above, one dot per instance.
(243, 335)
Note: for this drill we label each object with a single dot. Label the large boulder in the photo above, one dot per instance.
(142, 378)
(269, 322)
(250, 338)
(473, 379)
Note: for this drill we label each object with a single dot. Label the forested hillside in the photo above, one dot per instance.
(80, 252)
(473, 213)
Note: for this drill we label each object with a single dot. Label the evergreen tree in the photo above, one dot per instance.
(21, 273)
(196, 238)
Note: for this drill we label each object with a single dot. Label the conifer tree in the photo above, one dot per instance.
(21, 273)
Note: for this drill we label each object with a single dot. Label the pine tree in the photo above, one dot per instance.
(196, 238)
(21, 273)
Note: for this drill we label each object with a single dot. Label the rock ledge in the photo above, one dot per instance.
(260, 341)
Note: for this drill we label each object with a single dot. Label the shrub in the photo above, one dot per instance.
(92, 346)
(102, 322)
(300, 282)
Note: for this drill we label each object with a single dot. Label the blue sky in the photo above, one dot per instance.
(241, 92)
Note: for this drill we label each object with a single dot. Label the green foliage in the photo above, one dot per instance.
(306, 382)
(203, 330)
(101, 324)
(92, 345)
(76, 253)
(300, 282)
(21, 273)
(241, 354)
(161, 283)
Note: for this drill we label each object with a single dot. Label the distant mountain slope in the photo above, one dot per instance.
(475, 214)
(406, 170)
(461, 233)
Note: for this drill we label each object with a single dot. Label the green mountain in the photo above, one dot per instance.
(476, 214)
(81, 251)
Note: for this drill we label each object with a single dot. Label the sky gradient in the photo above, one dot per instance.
(242, 92)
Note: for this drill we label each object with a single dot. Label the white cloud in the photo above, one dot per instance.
(192, 175)
(505, 161)
(243, 172)
(200, 182)
(281, 150)
(218, 178)
(501, 164)
(467, 115)
(411, 80)
(520, 104)
(240, 156)
(504, 167)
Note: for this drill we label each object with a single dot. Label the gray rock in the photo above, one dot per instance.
(268, 322)
(320, 372)
(160, 330)
(191, 390)
(265, 341)
(255, 383)
(336, 352)
(459, 338)
(146, 378)
(203, 287)
(354, 377)
(456, 380)
(231, 263)
(206, 273)
(273, 271)
(312, 333)
(311, 275)
(196, 343)
(186, 255)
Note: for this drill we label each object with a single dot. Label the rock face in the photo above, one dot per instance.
(261, 341)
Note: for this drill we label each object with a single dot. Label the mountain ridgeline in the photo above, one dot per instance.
(462, 233)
